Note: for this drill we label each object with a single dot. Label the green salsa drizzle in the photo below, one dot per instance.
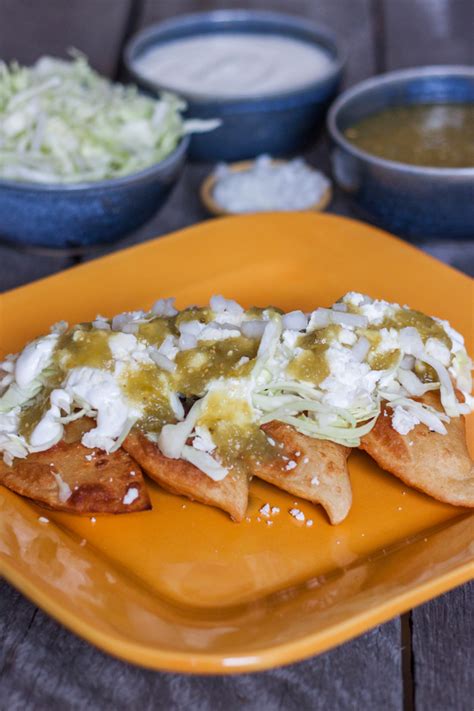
(240, 443)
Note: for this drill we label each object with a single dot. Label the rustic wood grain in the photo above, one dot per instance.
(42, 666)
(17, 268)
(443, 650)
(31, 28)
(421, 32)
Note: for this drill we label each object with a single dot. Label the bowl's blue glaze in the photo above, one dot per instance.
(279, 124)
(73, 215)
(409, 200)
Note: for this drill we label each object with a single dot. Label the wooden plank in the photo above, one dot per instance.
(421, 32)
(18, 268)
(36, 646)
(428, 32)
(44, 666)
(443, 648)
(350, 19)
(29, 29)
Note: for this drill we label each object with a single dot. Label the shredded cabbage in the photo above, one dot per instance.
(298, 404)
(61, 122)
(15, 396)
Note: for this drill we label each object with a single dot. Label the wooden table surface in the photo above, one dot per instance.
(422, 659)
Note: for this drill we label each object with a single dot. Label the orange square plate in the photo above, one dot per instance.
(182, 587)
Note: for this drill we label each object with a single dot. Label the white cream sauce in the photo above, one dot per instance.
(234, 64)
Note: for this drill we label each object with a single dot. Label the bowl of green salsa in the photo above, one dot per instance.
(404, 149)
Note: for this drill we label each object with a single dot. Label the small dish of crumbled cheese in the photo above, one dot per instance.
(265, 185)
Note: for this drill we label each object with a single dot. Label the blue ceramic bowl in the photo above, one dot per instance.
(409, 200)
(75, 215)
(278, 124)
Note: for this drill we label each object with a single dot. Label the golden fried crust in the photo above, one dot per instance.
(98, 483)
(321, 474)
(438, 465)
(181, 477)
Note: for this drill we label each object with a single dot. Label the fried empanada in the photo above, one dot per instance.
(181, 477)
(438, 465)
(320, 474)
(73, 478)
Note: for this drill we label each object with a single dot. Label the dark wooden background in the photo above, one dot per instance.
(422, 659)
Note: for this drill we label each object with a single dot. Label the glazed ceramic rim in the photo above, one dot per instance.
(146, 175)
(387, 79)
(214, 18)
(214, 208)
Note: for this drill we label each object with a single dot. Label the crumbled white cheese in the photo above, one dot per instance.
(377, 310)
(131, 496)
(295, 321)
(291, 465)
(355, 299)
(59, 327)
(292, 185)
(347, 337)
(186, 342)
(128, 322)
(217, 332)
(403, 421)
(297, 514)
(191, 328)
(349, 381)
(290, 339)
(436, 349)
(43, 519)
(389, 340)
(221, 305)
(164, 307)
(315, 481)
(265, 510)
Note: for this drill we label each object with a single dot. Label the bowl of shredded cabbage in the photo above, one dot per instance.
(83, 160)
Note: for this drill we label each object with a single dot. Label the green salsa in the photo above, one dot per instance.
(149, 387)
(311, 364)
(83, 346)
(213, 359)
(426, 326)
(239, 440)
(434, 135)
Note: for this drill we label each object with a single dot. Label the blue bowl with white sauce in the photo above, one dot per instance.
(75, 215)
(268, 77)
(410, 200)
